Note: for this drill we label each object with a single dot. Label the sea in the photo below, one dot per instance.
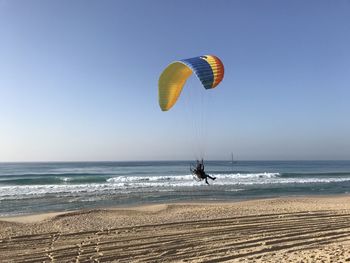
(28, 188)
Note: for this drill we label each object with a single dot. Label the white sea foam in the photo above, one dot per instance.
(279, 180)
(81, 170)
(130, 179)
(120, 184)
(65, 179)
(19, 191)
(248, 175)
(188, 177)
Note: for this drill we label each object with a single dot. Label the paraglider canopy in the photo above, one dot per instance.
(209, 70)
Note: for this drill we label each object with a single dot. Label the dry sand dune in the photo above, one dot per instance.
(276, 230)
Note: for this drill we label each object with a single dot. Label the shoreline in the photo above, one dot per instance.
(151, 207)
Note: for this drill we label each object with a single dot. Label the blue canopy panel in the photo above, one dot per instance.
(202, 69)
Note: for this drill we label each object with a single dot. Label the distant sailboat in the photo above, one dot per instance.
(232, 161)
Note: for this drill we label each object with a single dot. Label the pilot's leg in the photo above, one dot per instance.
(212, 178)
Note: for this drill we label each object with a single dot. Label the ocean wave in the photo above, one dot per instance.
(19, 191)
(287, 181)
(65, 179)
(50, 174)
(52, 180)
(121, 184)
(188, 177)
(322, 174)
(247, 175)
(151, 178)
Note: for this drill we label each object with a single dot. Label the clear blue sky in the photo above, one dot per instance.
(78, 79)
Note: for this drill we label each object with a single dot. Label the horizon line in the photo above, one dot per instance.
(184, 160)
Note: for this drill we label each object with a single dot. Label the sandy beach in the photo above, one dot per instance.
(304, 229)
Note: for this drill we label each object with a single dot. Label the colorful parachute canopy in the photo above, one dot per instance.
(209, 70)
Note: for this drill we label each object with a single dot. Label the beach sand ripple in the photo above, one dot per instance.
(272, 230)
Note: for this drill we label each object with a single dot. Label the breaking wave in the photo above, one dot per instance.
(17, 188)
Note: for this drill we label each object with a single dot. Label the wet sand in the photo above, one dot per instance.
(305, 229)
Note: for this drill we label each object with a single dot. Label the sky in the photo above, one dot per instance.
(79, 80)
